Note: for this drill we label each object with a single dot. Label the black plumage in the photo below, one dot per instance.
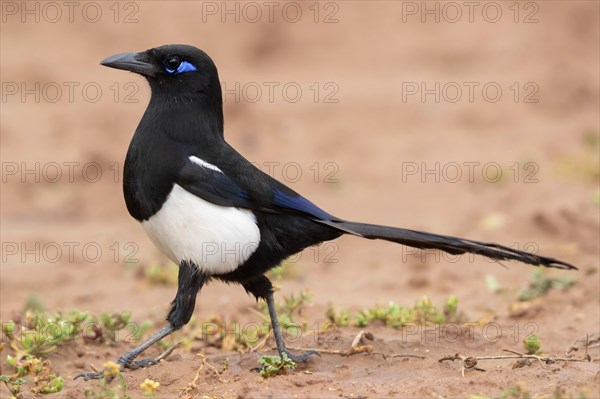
(180, 170)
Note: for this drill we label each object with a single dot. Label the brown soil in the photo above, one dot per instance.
(371, 137)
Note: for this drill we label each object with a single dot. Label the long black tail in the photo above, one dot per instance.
(452, 245)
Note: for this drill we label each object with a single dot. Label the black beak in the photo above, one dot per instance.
(134, 62)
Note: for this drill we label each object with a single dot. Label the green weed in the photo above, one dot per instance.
(44, 378)
(161, 274)
(340, 318)
(104, 390)
(397, 316)
(515, 392)
(37, 333)
(274, 365)
(532, 344)
(540, 285)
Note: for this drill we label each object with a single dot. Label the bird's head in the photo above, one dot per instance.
(175, 70)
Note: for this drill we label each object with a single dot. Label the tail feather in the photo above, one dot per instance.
(452, 245)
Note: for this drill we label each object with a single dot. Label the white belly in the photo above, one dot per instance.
(215, 238)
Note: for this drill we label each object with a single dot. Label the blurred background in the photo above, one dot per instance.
(479, 121)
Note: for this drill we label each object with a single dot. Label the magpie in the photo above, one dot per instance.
(213, 212)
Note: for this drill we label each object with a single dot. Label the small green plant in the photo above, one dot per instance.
(37, 333)
(394, 315)
(218, 333)
(113, 327)
(515, 392)
(34, 303)
(42, 332)
(532, 344)
(113, 323)
(451, 308)
(492, 284)
(105, 390)
(397, 316)
(13, 384)
(44, 378)
(215, 331)
(274, 365)
(339, 318)
(541, 284)
(161, 274)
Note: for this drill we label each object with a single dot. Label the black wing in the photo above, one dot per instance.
(252, 190)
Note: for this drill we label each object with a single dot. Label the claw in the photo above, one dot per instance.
(131, 365)
(140, 364)
(90, 376)
(302, 358)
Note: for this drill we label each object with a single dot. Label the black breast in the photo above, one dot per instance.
(151, 167)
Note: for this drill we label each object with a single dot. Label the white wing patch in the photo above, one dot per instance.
(204, 164)
(215, 238)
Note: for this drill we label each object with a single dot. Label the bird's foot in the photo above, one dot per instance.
(109, 374)
(141, 364)
(300, 358)
(92, 376)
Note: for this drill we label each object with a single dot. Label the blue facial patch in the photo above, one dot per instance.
(183, 67)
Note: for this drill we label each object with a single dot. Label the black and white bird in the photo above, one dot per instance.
(215, 214)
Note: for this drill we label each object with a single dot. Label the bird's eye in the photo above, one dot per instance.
(174, 65)
(171, 63)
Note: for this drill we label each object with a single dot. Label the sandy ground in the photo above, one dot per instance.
(378, 113)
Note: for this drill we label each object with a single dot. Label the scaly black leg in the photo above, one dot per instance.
(262, 288)
(127, 360)
(189, 284)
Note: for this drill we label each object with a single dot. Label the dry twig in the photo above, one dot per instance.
(470, 362)
(192, 385)
(397, 355)
(167, 352)
(358, 346)
(589, 342)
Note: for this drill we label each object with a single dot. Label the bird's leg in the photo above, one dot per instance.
(279, 338)
(127, 360)
(190, 280)
(262, 288)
